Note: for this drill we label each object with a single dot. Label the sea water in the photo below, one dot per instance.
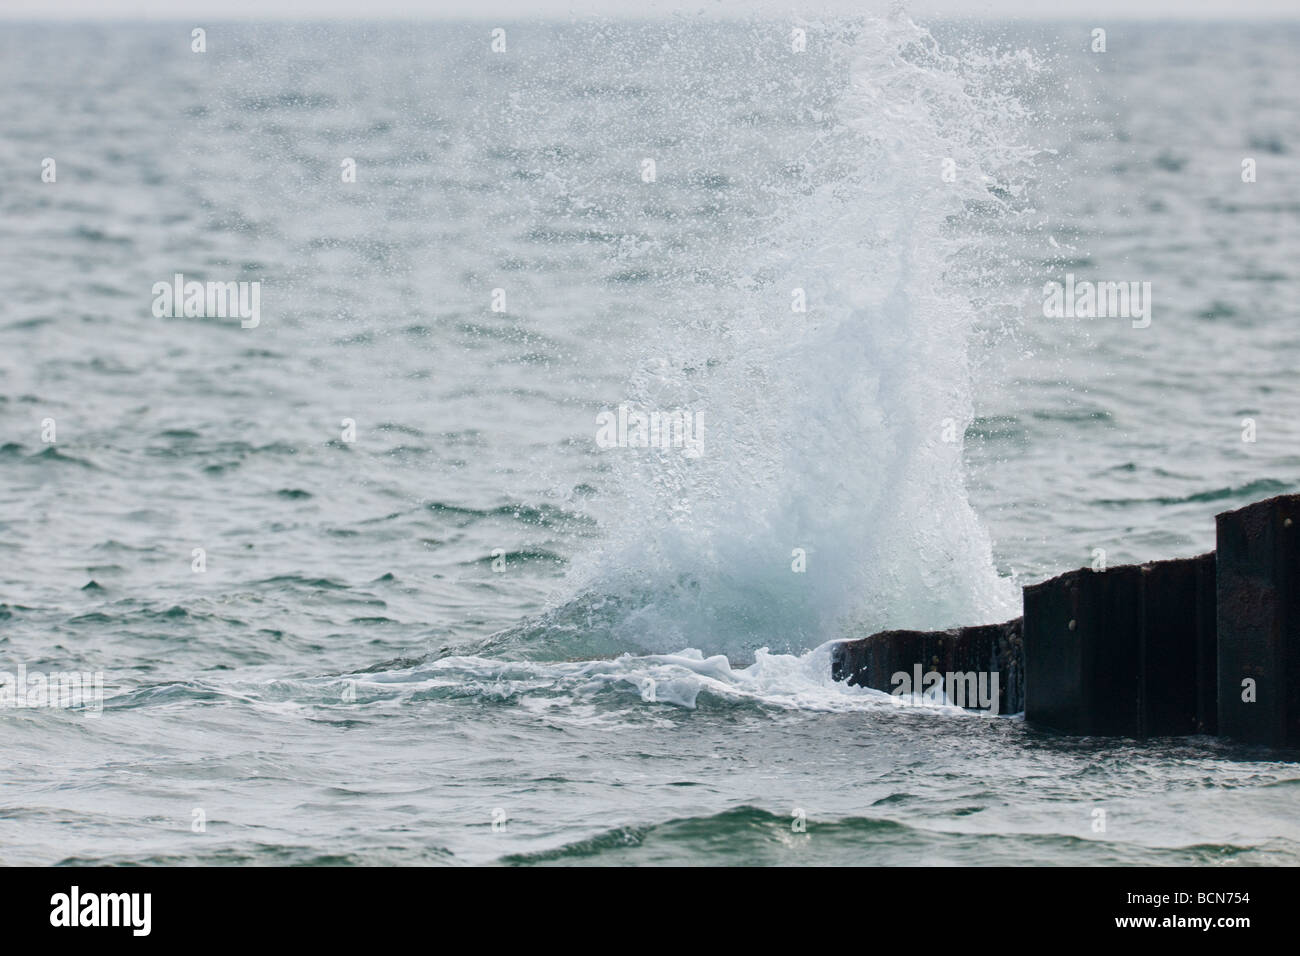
(362, 583)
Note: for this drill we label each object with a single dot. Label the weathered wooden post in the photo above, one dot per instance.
(981, 652)
(1259, 622)
(1207, 645)
(1119, 652)
(1082, 660)
(1177, 634)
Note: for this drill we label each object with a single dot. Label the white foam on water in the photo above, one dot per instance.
(835, 432)
(677, 679)
(788, 681)
(825, 431)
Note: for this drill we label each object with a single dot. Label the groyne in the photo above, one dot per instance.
(1203, 645)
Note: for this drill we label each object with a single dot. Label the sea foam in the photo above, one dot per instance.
(826, 428)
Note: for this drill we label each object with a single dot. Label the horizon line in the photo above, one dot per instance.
(1093, 19)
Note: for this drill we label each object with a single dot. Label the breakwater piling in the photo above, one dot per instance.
(1203, 645)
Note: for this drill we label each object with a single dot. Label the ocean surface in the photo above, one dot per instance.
(362, 583)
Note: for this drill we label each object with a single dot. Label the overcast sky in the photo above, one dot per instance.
(225, 9)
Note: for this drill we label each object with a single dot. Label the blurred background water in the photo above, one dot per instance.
(472, 608)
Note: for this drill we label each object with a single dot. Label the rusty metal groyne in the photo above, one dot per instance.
(1204, 645)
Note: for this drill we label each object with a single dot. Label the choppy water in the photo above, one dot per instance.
(352, 679)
